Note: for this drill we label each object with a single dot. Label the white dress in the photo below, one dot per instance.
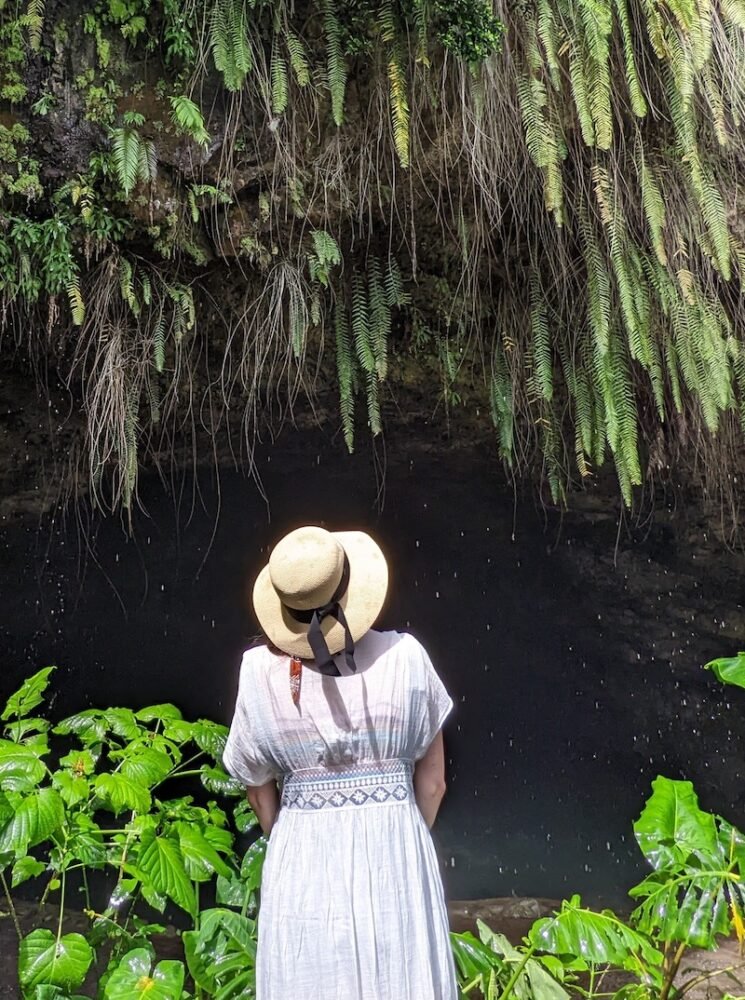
(352, 904)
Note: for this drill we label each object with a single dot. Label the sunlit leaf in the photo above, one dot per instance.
(672, 827)
(135, 979)
(219, 782)
(120, 793)
(44, 959)
(37, 817)
(158, 713)
(200, 857)
(593, 937)
(161, 862)
(20, 767)
(26, 868)
(29, 696)
(729, 669)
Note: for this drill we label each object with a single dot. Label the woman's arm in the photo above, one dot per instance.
(264, 800)
(429, 780)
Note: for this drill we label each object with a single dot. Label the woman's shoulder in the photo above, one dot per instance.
(395, 643)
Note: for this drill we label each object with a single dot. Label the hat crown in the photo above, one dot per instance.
(306, 568)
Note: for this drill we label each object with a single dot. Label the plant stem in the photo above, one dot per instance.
(516, 974)
(11, 906)
(671, 970)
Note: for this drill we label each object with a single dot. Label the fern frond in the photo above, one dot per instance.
(345, 373)
(335, 62)
(280, 80)
(400, 113)
(298, 58)
(542, 360)
(380, 319)
(35, 22)
(75, 298)
(126, 156)
(230, 42)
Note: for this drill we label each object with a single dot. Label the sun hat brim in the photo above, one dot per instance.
(362, 602)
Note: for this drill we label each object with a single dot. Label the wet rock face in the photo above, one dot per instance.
(573, 652)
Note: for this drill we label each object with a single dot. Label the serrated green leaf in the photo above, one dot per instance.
(210, 737)
(26, 868)
(201, 860)
(72, 789)
(44, 959)
(28, 696)
(158, 713)
(161, 863)
(20, 767)
(88, 726)
(219, 782)
(120, 793)
(145, 766)
(38, 816)
(122, 722)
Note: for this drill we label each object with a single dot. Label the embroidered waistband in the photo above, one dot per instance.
(360, 784)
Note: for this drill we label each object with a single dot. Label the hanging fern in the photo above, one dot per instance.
(345, 373)
(335, 63)
(230, 41)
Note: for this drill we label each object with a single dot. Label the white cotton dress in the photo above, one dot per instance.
(352, 904)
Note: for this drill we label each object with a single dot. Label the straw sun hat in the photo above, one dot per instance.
(316, 583)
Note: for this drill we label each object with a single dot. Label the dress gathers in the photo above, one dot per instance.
(352, 905)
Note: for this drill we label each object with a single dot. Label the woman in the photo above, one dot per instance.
(352, 902)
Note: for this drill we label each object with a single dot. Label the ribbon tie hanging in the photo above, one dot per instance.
(324, 659)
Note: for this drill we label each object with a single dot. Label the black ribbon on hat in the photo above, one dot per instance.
(324, 659)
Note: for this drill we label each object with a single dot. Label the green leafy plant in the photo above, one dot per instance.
(90, 807)
(692, 897)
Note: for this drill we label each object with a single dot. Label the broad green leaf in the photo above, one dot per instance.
(44, 959)
(672, 827)
(244, 816)
(535, 982)
(211, 737)
(158, 713)
(29, 696)
(221, 956)
(179, 730)
(81, 763)
(20, 767)
(201, 860)
(86, 841)
(729, 669)
(37, 817)
(72, 789)
(219, 782)
(26, 868)
(46, 992)
(693, 909)
(135, 979)
(231, 891)
(161, 864)
(472, 957)
(88, 726)
(16, 731)
(593, 937)
(120, 793)
(145, 766)
(221, 840)
(122, 722)
(253, 864)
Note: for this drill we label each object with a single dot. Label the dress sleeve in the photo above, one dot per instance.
(434, 704)
(243, 757)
